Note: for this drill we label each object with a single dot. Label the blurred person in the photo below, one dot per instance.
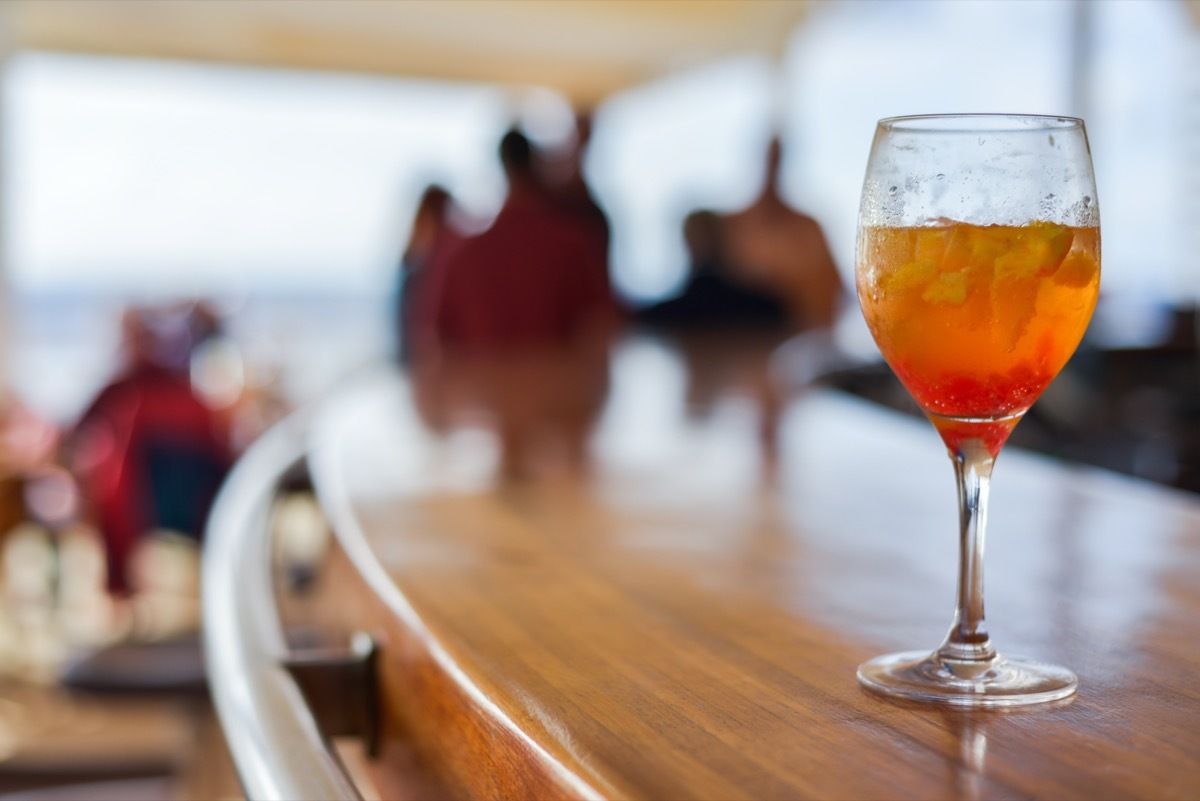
(148, 453)
(432, 233)
(725, 329)
(785, 252)
(519, 323)
(533, 277)
(573, 196)
(713, 296)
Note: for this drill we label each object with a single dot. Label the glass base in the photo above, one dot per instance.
(998, 682)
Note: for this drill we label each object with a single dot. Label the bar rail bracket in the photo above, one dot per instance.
(277, 709)
(341, 690)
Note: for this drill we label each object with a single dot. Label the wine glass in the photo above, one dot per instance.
(978, 268)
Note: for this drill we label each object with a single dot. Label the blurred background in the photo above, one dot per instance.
(238, 181)
(162, 151)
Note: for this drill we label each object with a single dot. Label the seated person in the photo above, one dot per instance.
(712, 296)
(147, 453)
(777, 247)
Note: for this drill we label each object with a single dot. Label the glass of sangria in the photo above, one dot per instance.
(977, 269)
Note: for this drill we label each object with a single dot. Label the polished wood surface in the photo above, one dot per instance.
(681, 615)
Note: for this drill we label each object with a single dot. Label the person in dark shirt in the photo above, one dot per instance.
(712, 297)
(432, 234)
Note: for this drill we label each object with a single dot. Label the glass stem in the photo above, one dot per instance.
(968, 637)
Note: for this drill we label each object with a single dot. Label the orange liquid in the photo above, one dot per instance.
(975, 320)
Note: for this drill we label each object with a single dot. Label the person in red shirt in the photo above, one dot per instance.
(519, 322)
(572, 195)
(534, 277)
(148, 454)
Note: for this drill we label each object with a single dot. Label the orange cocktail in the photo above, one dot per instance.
(977, 320)
(978, 268)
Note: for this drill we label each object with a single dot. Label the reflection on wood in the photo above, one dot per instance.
(677, 621)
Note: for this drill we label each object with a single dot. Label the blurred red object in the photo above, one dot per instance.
(147, 452)
(537, 276)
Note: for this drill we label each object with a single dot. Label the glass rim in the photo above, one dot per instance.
(983, 122)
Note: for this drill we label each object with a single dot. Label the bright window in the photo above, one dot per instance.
(155, 177)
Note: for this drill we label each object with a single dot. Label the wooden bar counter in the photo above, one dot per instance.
(666, 594)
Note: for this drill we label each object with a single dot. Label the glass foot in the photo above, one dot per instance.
(1005, 682)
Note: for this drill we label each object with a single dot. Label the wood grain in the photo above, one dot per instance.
(682, 618)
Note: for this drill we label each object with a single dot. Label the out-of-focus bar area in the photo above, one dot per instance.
(404, 399)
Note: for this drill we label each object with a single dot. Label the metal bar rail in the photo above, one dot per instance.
(273, 736)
